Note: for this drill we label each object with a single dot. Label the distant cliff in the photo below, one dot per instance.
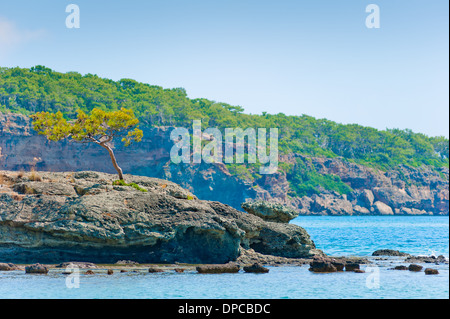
(403, 190)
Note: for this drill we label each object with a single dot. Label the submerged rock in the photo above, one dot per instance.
(166, 224)
(256, 268)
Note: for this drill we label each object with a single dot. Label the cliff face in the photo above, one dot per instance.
(402, 191)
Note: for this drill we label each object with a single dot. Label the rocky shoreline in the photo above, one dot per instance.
(250, 261)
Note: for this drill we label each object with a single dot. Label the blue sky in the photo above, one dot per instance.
(314, 57)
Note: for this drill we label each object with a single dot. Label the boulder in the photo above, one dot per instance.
(256, 268)
(351, 266)
(155, 270)
(8, 267)
(389, 252)
(381, 208)
(415, 267)
(322, 265)
(401, 267)
(270, 211)
(36, 269)
(218, 269)
(430, 271)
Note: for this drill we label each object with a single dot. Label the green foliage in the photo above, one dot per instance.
(98, 127)
(304, 180)
(121, 182)
(40, 89)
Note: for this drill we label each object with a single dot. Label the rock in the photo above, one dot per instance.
(123, 270)
(322, 265)
(155, 270)
(89, 272)
(44, 188)
(77, 264)
(358, 210)
(430, 271)
(270, 211)
(414, 267)
(163, 225)
(389, 252)
(218, 269)
(401, 267)
(427, 259)
(359, 271)
(110, 272)
(249, 257)
(179, 270)
(256, 268)
(36, 269)
(367, 197)
(351, 266)
(338, 265)
(8, 267)
(381, 208)
(127, 263)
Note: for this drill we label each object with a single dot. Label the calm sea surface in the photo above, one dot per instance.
(358, 236)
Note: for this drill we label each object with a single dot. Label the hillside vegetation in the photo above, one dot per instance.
(39, 89)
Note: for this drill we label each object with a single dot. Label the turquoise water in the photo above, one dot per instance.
(362, 235)
(335, 235)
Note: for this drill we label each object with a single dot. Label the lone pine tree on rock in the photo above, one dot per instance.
(99, 127)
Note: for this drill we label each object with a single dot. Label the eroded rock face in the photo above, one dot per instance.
(97, 222)
(270, 211)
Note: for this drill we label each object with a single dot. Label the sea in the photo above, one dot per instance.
(336, 236)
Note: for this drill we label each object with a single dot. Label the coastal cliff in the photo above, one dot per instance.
(55, 217)
(404, 190)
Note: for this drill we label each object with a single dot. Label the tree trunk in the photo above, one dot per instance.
(113, 159)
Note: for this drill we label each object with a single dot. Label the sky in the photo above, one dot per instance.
(314, 57)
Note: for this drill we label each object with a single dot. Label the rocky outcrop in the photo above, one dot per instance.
(401, 191)
(82, 216)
